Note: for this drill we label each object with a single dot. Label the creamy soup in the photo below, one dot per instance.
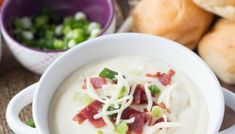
(129, 94)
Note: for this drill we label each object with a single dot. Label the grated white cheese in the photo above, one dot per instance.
(149, 97)
(109, 95)
(128, 121)
(111, 102)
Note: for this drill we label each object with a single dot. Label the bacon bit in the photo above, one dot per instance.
(165, 79)
(97, 82)
(144, 99)
(80, 118)
(148, 119)
(128, 111)
(139, 95)
(137, 126)
(158, 121)
(89, 112)
(84, 84)
(162, 105)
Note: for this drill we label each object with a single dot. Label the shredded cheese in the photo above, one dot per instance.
(149, 97)
(128, 121)
(109, 96)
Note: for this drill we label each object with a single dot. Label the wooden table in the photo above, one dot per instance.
(14, 77)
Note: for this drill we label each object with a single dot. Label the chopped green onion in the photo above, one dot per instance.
(107, 73)
(41, 20)
(121, 128)
(93, 25)
(99, 132)
(157, 111)
(79, 16)
(154, 89)
(58, 44)
(122, 92)
(71, 43)
(66, 30)
(47, 30)
(30, 123)
(83, 98)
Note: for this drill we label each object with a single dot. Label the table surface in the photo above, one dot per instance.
(14, 77)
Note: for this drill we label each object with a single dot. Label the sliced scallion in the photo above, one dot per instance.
(107, 73)
(157, 111)
(121, 128)
(154, 89)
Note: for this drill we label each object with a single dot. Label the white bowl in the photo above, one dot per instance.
(111, 46)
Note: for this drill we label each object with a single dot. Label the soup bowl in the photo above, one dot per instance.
(41, 93)
(37, 60)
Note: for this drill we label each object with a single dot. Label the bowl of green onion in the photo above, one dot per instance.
(38, 33)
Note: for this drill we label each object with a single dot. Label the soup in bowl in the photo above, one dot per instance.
(138, 95)
(124, 83)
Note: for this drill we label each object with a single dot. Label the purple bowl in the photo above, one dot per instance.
(101, 11)
(37, 60)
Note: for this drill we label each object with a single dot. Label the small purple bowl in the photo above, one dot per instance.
(37, 60)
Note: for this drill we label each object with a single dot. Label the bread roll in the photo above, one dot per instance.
(217, 48)
(223, 8)
(179, 20)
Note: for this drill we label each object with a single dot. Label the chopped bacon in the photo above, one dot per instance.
(128, 111)
(162, 105)
(80, 118)
(137, 126)
(148, 119)
(158, 121)
(97, 82)
(84, 84)
(89, 112)
(139, 95)
(165, 79)
(144, 99)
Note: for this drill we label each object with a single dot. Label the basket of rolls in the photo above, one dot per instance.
(204, 26)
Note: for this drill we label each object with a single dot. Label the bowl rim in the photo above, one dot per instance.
(13, 40)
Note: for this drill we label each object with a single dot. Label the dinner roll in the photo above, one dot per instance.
(223, 8)
(217, 48)
(179, 20)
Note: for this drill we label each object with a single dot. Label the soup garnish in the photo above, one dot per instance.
(114, 96)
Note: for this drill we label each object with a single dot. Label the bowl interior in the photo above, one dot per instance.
(100, 11)
(130, 44)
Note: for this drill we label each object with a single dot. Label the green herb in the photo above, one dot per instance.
(122, 92)
(157, 111)
(58, 44)
(99, 132)
(121, 128)
(154, 89)
(83, 98)
(30, 123)
(107, 73)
